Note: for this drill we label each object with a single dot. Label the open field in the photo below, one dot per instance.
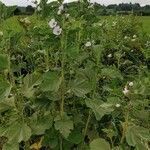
(144, 20)
(12, 23)
(146, 23)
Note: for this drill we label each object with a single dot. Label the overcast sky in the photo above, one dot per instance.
(106, 2)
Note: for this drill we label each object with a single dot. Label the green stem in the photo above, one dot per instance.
(47, 60)
(125, 126)
(62, 91)
(87, 123)
(63, 47)
(60, 143)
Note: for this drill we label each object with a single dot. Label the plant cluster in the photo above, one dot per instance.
(73, 81)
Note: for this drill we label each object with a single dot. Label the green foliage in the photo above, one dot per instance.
(16, 132)
(100, 109)
(99, 144)
(39, 124)
(138, 137)
(83, 84)
(64, 125)
(51, 82)
(4, 63)
(5, 88)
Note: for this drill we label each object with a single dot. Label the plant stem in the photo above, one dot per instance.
(125, 126)
(86, 128)
(60, 143)
(87, 123)
(63, 47)
(62, 91)
(47, 60)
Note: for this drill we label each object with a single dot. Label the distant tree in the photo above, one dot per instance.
(124, 7)
(30, 10)
(112, 6)
(136, 6)
(146, 7)
(17, 11)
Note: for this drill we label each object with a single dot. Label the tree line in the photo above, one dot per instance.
(112, 9)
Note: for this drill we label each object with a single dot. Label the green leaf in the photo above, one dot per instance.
(17, 132)
(80, 86)
(7, 104)
(4, 62)
(41, 123)
(11, 146)
(97, 50)
(51, 82)
(5, 88)
(75, 137)
(137, 136)
(72, 51)
(64, 125)
(100, 109)
(29, 82)
(111, 72)
(99, 144)
(110, 133)
(51, 138)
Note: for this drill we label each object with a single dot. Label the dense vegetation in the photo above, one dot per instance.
(72, 81)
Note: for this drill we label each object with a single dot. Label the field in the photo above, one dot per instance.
(144, 20)
(13, 24)
(146, 23)
(71, 80)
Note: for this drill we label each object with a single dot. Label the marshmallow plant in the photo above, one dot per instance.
(71, 80)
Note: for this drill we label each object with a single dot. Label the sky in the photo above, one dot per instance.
(105, 2)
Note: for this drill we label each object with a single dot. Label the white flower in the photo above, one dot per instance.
(130, 83)
(39, 8)
(57, 30)
(109, 56)
(118, 105)
(133, 40)
(10, 95)
(52, 23)
(126, 37)
(88, 44)
(58, 12)
(49, 1)
(67, 15)
(125, 91)
(134, 36)
(100, 24)
(114, 23)
(147, 44)
(61, 7)
(1, 33)
(26, 21)
(132, 50)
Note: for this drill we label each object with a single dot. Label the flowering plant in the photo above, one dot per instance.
(74, 81)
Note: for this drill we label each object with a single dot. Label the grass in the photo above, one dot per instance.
(145, 23)
(13, 24)
(144, 20)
